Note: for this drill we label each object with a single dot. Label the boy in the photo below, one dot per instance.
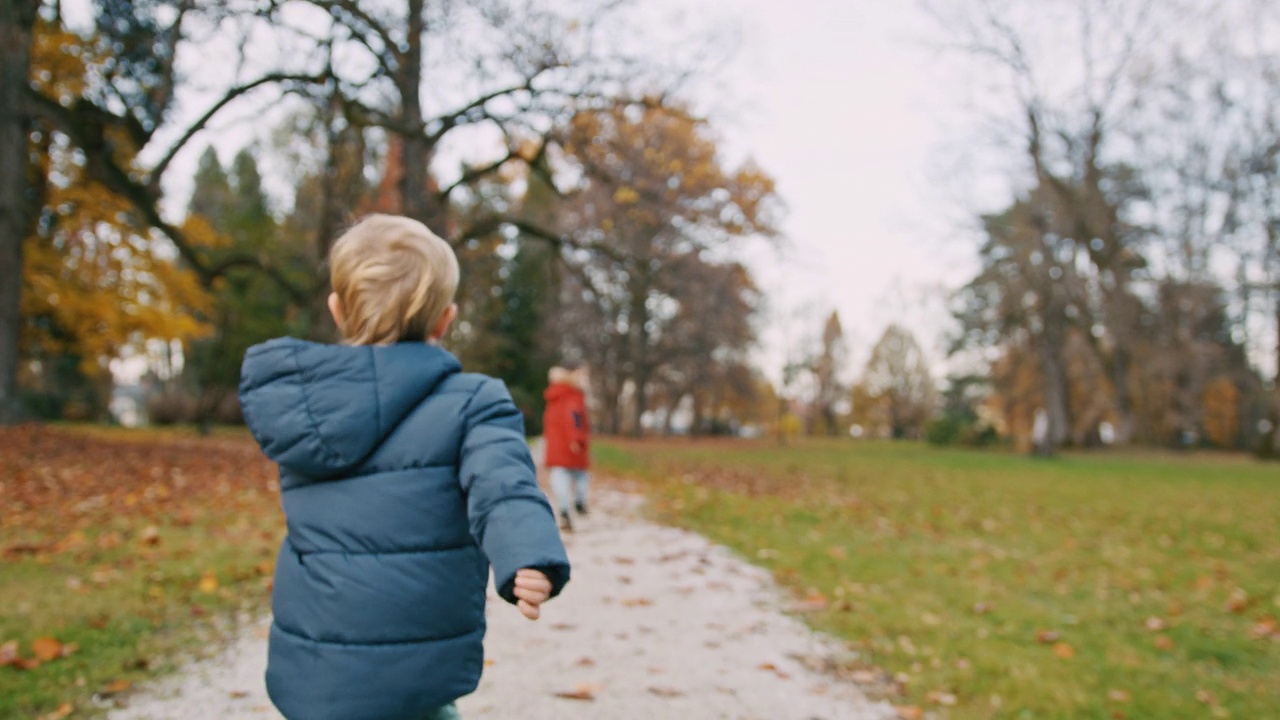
(402, 479)
(566, 435)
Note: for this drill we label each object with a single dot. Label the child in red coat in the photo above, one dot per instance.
(566, 432)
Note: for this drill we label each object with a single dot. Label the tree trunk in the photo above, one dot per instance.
(671, 412)
(641, 370)
(341, 187)
(1276, 380)
(1269, 445)
(641, 403)
(698, 424)
(417, 193)
(17, 20)
(1054, 374)
(1124, 321)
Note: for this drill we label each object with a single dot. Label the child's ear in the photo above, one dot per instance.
(335, 309)
(442, 326)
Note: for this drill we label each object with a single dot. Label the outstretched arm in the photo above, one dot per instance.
(509, 515)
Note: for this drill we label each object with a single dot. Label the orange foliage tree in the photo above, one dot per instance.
(1222, 412)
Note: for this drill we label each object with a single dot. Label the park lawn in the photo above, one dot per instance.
(123, 551)
(990, 585)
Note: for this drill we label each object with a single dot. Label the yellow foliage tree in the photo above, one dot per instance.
(96, 280)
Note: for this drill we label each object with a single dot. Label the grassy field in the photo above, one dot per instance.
(996, 586)
(119, 552)
(983, 585)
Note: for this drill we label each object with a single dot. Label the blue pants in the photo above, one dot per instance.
(562, 479)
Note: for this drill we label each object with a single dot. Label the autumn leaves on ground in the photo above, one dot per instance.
(970, 585)
(121, 551)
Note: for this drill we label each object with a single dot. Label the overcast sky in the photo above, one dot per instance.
(859, 118)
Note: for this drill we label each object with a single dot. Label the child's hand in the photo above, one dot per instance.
(532, 589)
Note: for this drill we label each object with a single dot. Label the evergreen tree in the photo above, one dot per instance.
(248, 308)
(525, 353)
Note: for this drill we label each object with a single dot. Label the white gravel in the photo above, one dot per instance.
(657, 623)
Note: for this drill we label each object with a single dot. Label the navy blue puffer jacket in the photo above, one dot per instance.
(402, 479)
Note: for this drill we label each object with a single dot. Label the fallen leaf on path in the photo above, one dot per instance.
(237, 694)
(1047, 637)
(937, 697)
(624, 560)
(208, 583)
(814, 601)
(48, 648)
(582, 692)
(774, 669)
(637, 602)
(150, 535)
(864, 677)
(562, 626)
(24, 549)
(585, 662)
(63, 710)
(115, 687)
(140, 663)
(909, 712)
(8, 653)
(1261, 630)
(666, 692)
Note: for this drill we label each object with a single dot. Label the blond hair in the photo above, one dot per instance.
(394, 278)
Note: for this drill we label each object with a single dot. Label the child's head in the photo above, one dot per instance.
(393, 281)
(570, 371)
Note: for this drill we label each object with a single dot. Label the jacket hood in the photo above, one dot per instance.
(320, 410)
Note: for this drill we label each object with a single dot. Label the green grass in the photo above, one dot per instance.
(1152, 579)
(138, 548)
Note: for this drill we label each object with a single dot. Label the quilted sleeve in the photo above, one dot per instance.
(509, 515)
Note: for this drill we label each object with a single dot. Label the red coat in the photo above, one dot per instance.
(565, 428)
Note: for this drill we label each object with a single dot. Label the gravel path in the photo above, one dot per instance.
(657, 623)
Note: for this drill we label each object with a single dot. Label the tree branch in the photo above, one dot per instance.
(230, 95)
(87, 124)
